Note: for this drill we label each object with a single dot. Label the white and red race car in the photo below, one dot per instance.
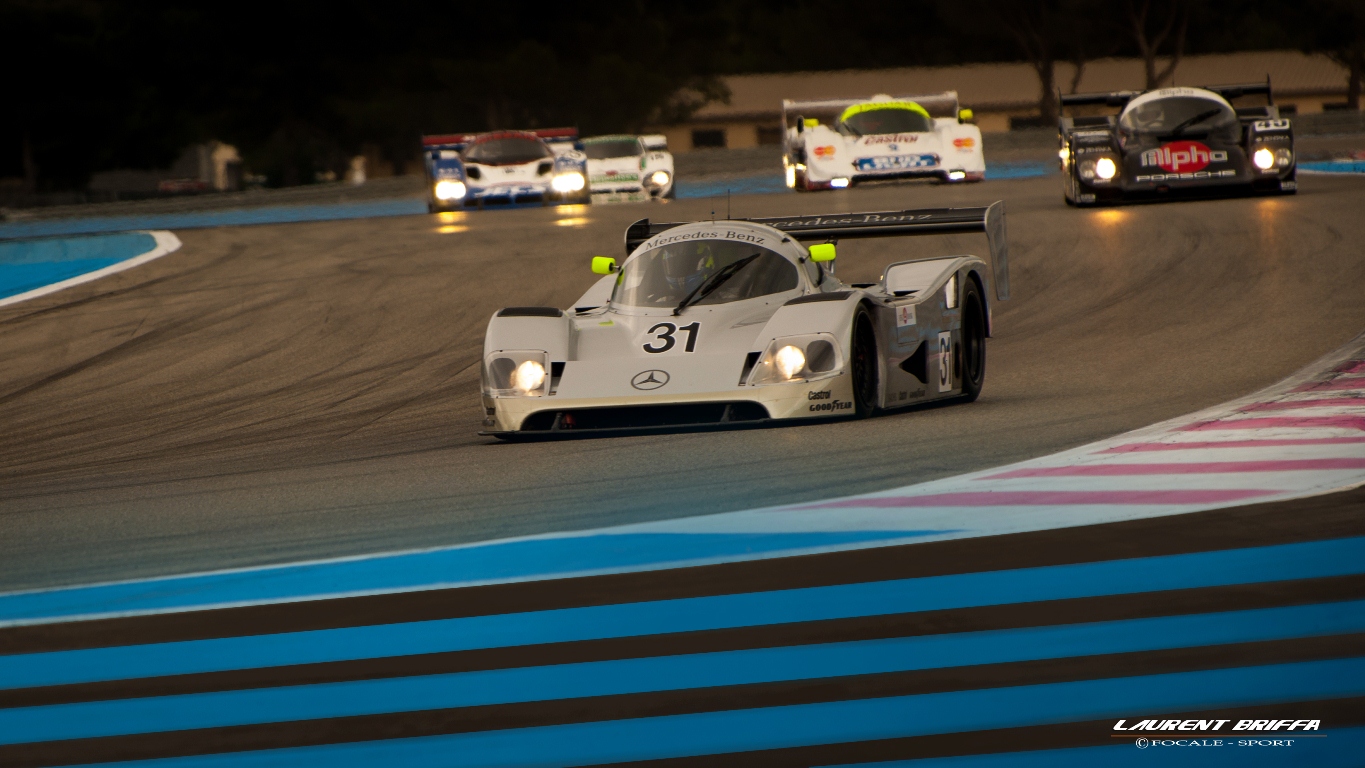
(837, 143)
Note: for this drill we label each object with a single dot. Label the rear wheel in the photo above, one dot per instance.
(865, 364)
(973, 347)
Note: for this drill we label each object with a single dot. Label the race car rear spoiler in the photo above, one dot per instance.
(551, 135)
(943, 104)
(1121, 98)
(835, 226)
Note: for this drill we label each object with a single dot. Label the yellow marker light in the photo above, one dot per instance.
(449, 190)
(528, 377)
(1105, 168)
(1264, 159)
(603, 265)
(812, 122)
(790, 361)
(965, 115)
(568, 182)
(822, 252)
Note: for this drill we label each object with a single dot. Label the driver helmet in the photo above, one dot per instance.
(687, 265)
(1149, 114)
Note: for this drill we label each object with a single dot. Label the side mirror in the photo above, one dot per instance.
(964, 115)
(822, 252)
(811, 122)
(603, 265)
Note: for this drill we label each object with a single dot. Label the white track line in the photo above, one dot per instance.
(165, 243)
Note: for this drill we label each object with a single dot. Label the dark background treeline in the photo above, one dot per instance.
(300, 85)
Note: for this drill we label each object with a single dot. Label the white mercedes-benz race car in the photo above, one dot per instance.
(724, 323)
(837, 143)
(629, 169)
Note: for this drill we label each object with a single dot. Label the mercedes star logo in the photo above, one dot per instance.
(649, 379)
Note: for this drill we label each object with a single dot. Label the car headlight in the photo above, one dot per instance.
(568, 182)
(798, 358)
(1267, 159)
(516, 373)
(791, 177)
(838, 183)
(449, 190)
(1098, 170)
(658, 178)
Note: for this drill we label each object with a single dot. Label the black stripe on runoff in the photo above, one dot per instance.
(995, 617)
(1334, 713)
(1320, 517)
(471, 719)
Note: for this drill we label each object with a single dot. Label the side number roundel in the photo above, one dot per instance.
(664, 338)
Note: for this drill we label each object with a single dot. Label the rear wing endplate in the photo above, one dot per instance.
(929, 221)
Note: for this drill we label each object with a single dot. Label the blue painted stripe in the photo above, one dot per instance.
(647, 675)
(713, 733)
(1024, 169)
(32, 264)
(1338, 748)
(757, 184)
(472, 564)
(278, 214)
(1335, 166)
(1335, 557)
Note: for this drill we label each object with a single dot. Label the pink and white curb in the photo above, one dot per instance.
(1300, 437)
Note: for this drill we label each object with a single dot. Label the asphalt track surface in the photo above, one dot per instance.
(295, 391)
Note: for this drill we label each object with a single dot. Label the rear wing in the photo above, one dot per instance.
(936, 104)
(927, 221)
(1121, 98)
(458, 141)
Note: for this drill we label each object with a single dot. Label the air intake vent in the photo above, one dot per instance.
(645, 417)
(530, 312)
(835, 296)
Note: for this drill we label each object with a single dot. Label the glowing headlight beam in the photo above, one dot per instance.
(1263, 159)
(790, 361)
(839, 183)
(568, 182)
(659, 178)
(449, 190)
(1105, 168)
(528, 377)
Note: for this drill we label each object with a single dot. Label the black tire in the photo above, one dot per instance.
(865, 364)
(672, 191)
(972, 350)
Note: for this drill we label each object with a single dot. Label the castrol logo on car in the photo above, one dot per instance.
(1183, 157)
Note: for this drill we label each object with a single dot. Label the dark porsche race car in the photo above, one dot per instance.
(1174, 141)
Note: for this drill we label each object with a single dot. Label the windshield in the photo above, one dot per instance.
(664, 276)
(605, 150)
(891, 120)
(513, 150)
(1167, 115)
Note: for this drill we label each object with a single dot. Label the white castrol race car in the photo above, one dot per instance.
(838, 143)
(727, 323)
(629, 169)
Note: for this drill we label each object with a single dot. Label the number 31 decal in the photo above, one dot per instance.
(663, 334)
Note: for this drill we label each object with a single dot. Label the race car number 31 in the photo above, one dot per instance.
(665, 338)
